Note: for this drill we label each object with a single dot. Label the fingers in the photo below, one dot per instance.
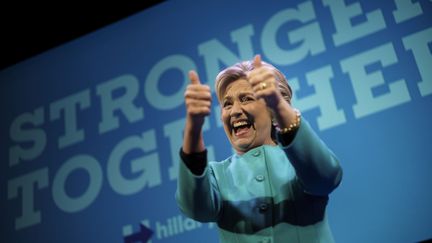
(197, 97)
(259, 73)
(201, 92)
(198, 107)
(193, 76)
(195, 89)
(260, 76)
(257, 61)
(263, 81)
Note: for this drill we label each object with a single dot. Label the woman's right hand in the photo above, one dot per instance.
(198, 106)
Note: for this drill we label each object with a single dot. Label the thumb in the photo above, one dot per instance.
(257, 61)
(193, 76)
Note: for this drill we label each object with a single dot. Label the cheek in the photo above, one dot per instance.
(264, 117)
(224, 116)
(259, 110)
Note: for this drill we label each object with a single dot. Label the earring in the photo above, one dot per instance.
(275, 124)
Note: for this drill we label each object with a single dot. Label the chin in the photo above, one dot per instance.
(243, 147)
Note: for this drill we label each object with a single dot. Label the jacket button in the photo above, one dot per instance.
(257, 153)
(263, 207)
(259, 178)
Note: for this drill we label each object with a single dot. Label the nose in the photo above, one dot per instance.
(236, 110)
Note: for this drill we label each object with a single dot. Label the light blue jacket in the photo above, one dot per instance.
(269, 194)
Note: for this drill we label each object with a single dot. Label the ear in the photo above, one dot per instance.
(274, 123)
(274, 130)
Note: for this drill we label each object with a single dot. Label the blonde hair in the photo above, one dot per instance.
(240, 71)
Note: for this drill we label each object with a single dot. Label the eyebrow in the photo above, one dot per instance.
(240, 94)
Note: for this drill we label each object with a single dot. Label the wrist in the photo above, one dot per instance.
(193, 125)
(192, 137)
(293, 125)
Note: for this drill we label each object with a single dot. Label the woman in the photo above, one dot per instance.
(275, 187)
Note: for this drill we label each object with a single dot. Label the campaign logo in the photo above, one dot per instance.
(143, 235)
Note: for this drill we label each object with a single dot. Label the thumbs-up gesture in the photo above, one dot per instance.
(198, 102)
(264, 83)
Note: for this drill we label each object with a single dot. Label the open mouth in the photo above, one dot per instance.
(241, 127)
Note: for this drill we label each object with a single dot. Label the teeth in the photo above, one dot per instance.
(239, 123)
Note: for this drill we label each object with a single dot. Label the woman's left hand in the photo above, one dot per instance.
(264, 84)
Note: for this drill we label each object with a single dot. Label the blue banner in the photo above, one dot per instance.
(91, 130)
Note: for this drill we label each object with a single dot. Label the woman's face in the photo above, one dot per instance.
(246, 119)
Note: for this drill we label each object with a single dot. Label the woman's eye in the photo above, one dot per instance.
(246, 98)
(226, 104)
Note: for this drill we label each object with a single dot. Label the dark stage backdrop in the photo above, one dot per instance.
(90, 130)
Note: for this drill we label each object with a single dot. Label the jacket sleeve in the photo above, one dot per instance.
(198, 196)
(317, 168)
